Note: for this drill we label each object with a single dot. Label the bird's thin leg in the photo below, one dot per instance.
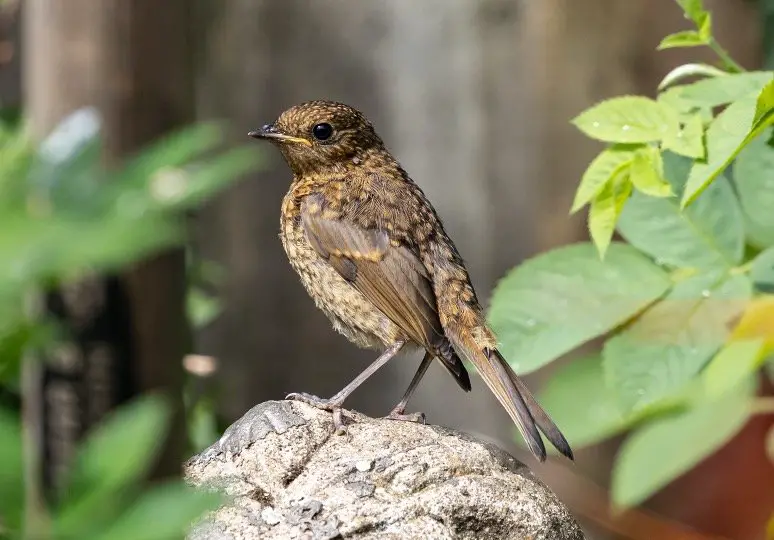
(399, 411)
(334, 403)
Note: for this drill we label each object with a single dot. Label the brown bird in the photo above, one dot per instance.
(372, 252)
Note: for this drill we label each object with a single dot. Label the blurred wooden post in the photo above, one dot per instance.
(10, 65)
(131, 59)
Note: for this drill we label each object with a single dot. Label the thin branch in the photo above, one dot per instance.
(729, 62)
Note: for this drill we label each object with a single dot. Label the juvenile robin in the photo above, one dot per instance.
(372, 253)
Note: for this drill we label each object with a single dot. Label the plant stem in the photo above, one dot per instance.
(742, 269)
(36, 521)
(729, 62)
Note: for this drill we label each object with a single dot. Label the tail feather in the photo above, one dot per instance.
(544, 422)
(514, 396)
(453, 364)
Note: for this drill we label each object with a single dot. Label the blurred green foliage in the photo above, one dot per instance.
(62, 214)
(103, 499)
(686, 304)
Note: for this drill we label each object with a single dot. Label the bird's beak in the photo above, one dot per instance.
(271, 133)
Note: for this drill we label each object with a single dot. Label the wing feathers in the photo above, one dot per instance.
(391, 277)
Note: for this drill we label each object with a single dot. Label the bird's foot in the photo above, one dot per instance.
(314, 401)
(331, 405)
(400, 414)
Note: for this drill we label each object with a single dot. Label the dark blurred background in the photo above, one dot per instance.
(474, 97)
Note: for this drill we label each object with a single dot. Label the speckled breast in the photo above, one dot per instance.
(349, 311)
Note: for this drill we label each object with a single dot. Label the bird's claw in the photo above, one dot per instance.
(339, 427)
(314, 401)
(418, 417)
(329, 405)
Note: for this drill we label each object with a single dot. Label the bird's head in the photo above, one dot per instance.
(321, 135)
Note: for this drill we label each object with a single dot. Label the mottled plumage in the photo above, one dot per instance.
(373, 254)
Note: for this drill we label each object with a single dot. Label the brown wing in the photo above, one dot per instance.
(392, 277)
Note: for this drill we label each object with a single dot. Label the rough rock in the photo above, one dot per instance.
(289, 476)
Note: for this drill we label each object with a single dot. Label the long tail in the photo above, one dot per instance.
(513, 395)
(453, 364)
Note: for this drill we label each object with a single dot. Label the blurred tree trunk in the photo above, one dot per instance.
(10, 60)
(132, 60)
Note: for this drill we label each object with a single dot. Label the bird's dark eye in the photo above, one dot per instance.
(322, 131)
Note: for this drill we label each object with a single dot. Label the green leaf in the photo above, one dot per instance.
(707, 234)
(162, 513)
(605, 209)
(98, 246)
(89, 513)
(174, 150)
(694, 9)
(582, 381)
(689, 140)
(755, 323)
(122, 449)
(647, 174)
(659, 354)
(65, 176)
(705, 28)
(201, 308)
(673, 98)
(754, 179)
(727, 136)
(764, 106)
(16, 154)
(627, 119)
(202, 425)
(19, 334)
(178, 189)
(558, 300)
(734, 364)
(762, 271)
(42, 249)
(11, 471)
(664, 449)
(604, 168)
(689, 70)
(10, 115)
(716, 91)
(687, 38)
